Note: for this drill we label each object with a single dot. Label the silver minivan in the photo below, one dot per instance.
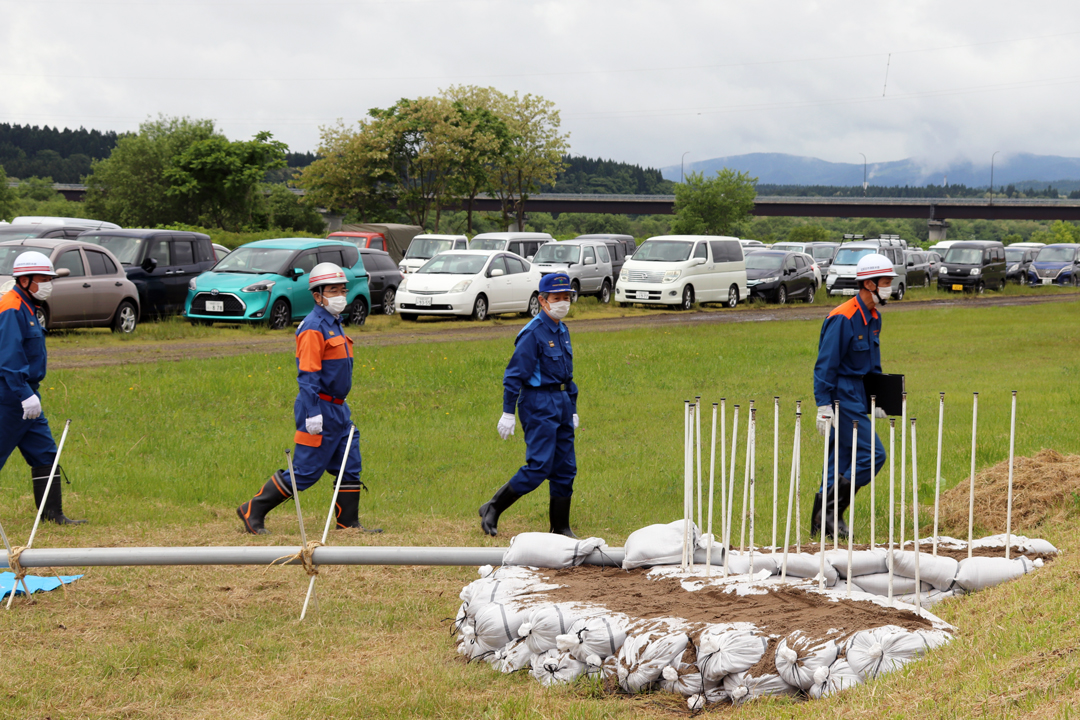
(522, 244)
(587, 262)
(841, 280)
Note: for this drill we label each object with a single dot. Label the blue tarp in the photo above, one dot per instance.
(36, 584)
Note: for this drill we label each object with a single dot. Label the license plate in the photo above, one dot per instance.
(848, 292)
(215, 306)
(1047, 281)
(423, 302)
(958, 288)
(642, 295)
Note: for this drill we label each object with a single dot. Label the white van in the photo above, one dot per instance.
(76, 222)
(679, 270)
(424, 247)
(522, 244)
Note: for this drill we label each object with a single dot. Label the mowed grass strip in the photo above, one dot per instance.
(161, 454)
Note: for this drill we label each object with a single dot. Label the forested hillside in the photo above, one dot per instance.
(586, 175)
(64, 155)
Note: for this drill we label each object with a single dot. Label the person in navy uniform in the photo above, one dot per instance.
(539, 382)
(324, 363)
(850, 348)
(22, 368)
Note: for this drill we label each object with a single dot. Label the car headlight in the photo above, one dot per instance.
(974, 271)
(191, 284)
(770, 279)
(1014, 268)
(671, 276)
(943, 271)
(461, 286)
(624, 274)
(402, 268)
(832, 271)
(262, 286)
(404, 286)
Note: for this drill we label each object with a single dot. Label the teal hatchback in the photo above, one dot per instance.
(267, 281)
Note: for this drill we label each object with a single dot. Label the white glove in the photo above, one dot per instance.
(506, 426)
(31, 408)
(824, 420)
(880, 413)
(576, 421)
(314, 425)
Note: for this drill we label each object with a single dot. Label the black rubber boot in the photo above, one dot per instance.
(559, 514)
(347, 510)
(273, 493)
(490, 511)
(54, 506)
(845, 500)
(815, 516)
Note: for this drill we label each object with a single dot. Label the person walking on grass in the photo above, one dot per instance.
(539, 382)
(22, 368)
(324, 362)
(848, 350)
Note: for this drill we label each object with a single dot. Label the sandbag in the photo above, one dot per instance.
(1035, 546)
(658, 545)
(882, 650)
(742, 686)
(878, 584)
(485, 591)
(549, 550)
(546, 622)
(863, 562)
(729, 648)
(739, 563)
(807, 565)
(554, 667)
(927, 599)
(798, 656)
(682, 676)
(497, 624)
(978, 573)
(513, 657)
(939, 571)
(827, 681)
(645, 656)
(601, 635)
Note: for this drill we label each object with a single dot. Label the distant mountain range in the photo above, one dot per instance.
(782, 169)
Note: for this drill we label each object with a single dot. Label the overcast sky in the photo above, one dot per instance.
(635, 80)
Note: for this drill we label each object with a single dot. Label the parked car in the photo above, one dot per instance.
(424, 247)
(779, 275)
(1018, 260)
(943, 247)
(935, 263)
(1057, 264)
(84, 223)
(469, 282)
(587, 262)
(748, 244)
(1032, 245)
(394, 238)
(220, 251)
(161, 263)
(620, 247)
(840, 279)
(90, 291)
(384, 278)
(973, 265)
(266, 281)
(522, 244)
(823, 253)
(918, 268)
(679, 270)
(21, 231)
(373, 240)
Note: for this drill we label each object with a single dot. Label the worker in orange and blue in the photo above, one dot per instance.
(539, 382)
(849, 349)
(324, 363)
(22, 368)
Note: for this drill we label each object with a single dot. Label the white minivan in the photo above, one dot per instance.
(679, 270)
(522, 244)
(424, 247)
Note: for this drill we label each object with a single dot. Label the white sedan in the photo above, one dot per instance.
(473, 283)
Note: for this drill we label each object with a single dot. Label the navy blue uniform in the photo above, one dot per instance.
(849, 348)
(541, 367)
(22, 368)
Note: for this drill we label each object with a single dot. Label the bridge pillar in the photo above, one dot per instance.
(937, 230)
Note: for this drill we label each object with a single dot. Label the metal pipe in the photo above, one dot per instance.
(685, 472)
(873, 470)
(697, 423)
(723, 466)
(836, 476)
(892, 499)
(731, 487)
(775, 467)
(690, 492)
(798, 474)
(851, 500)
(937, 482)
(1012, 450)
(971, 486)
(712, 474)
(915, 512)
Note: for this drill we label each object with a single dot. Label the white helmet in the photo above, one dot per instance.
(32, 263)
(326, 274)
(874, 266)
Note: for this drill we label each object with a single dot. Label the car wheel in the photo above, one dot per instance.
(358, 313)
(980, 287)
(42, 315)
(926, 281)
(605, 293)
(733, 296)
(900, 292)
(407, 317)
(1022, 279)
(125, 319)
(687, 298)
(280, 315)
(575, 290)
(781, 296)
(812, 295)
(388, 299)
(1075, 280)
(480, 308)
(534, 305)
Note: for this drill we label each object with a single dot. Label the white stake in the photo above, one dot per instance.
(746, 478)
(685, 479)
(330, 515)
(791, 496)
(690, 492)
(798, 474)
(1012, 449)
(937, 482)
(712, 473)
(752, 508)
(824, 494)
(7, 545)
(971, 491)
(836, 476)
(731, 488)
(723, 468)
(299, 515)
(903, 467)
(892, 499)
(697, 423)
(851, 501)
(873, 471)
(915, 513)
(775, 467)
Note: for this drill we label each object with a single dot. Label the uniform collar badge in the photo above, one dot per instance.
(551, 343)
(860, 337)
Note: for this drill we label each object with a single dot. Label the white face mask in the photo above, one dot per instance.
(43, 292)
(558, 310)
(883, 294)
(334, 305)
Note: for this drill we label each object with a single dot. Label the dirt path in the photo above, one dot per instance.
(121, 354)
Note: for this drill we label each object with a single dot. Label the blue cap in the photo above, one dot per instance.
(555, 282)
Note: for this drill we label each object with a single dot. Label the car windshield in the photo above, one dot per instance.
(788, 246)
(557, 253)
(426, 248)
(1056, 254)
(126, 249)
(9, 253)
(664, 250)
(851, 256)
(764, 261)
(823, 252)
(964, 256)
(455, 264)
(487, 244)
(1014, 255)
(255, 260)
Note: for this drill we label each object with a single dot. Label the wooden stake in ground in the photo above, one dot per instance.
(330, 515)
(971, 492)
(775, 467)
(731, 488)
(915, 513)
(851, 500)
(937, 482)
(892, 499)
(873, 468)
(712, 473)
(792, 494)
(836, 476)
(1012, 450)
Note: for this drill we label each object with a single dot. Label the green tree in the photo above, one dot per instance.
(808, 233)
(713, 206)
(487, 138)
(348, 172)
(7, 198)
(285, 210)
(1058, 232)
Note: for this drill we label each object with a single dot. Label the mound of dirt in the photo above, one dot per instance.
(1045, 487)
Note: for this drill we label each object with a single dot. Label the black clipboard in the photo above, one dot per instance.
(889, 390)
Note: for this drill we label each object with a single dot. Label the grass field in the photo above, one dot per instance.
(160, 454)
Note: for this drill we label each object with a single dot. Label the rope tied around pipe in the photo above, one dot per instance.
(17, 568)
(305, 557)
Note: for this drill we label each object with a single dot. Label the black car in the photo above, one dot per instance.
(1019, 262)
(620, 247)
(778, 275)
(973, 265)
(161, 263)
(383, 279)
(918, 268)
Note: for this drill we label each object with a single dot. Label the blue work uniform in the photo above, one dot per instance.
(849, 348)
(324, 364)
(539, 381)
(22, 368)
